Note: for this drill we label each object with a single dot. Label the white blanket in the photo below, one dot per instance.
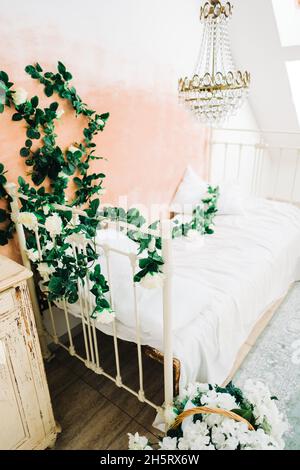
(220, 289)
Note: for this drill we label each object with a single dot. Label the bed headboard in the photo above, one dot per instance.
(264, 163)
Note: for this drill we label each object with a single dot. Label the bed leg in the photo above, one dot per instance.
(166, 237)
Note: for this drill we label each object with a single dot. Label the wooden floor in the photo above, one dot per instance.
(93, 413)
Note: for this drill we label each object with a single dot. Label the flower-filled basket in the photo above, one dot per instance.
(209, 417)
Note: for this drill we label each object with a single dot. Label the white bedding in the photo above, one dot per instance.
(220, 289)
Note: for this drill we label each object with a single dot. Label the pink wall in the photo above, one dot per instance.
(149, 139)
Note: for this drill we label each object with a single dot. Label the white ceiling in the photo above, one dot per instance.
(256, 47)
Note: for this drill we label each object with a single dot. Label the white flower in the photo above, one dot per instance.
(256, 392)
(19, 96)
(152, 245)
(266, 411)
(228, 426)
(219, 400)
(75, 220)
(170, 415)
(59, 113)
(102, 191)
(200, 443)
(183, 444)
(28, 219)
(152, 281)
(76, 238)
(259, 440)
(54, 225)
(46, 210)
(199, 428)
(193, 390)
(33, 255)
(61, 174)
(195, 436)
(73, 149)
(49, 246)
(137, 442)
(168, 443)
(12, 189)
(45, 271)
(230, 444)
(106, 316)
(218, 438)
(100, 122)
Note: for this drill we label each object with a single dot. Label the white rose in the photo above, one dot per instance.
(152, 281)
(100, 122)
(152, 245)
(45, 271)
(217, 437)
(28, 219)
(219, 400)
(105, 317)
(59, 113)
(193, 390)
(73, 149)
(61, 174)
(54, 225)
(168, 443)
(183, 444)
(33, 255)
(12, 189)
(76, 238)
(19, 96)
(137, 442)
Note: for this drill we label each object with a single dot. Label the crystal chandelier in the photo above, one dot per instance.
(217, 89)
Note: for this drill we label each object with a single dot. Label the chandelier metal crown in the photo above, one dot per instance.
(217, 89)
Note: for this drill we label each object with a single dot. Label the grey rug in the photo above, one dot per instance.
(275, 360)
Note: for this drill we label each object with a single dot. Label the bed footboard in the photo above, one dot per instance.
(91, 354)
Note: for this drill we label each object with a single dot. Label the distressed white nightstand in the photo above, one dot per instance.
(26, 415)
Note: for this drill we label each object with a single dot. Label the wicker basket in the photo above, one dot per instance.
(207, 410)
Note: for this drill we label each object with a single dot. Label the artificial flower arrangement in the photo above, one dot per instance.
(209, 417)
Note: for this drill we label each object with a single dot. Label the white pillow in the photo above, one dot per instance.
(231, 200)
(193, 189)
(189, 193)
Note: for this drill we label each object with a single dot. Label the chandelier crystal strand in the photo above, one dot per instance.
(217, 89)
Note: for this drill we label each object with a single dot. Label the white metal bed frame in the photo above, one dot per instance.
(92, 346)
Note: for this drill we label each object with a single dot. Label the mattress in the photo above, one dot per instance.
(220, 288)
